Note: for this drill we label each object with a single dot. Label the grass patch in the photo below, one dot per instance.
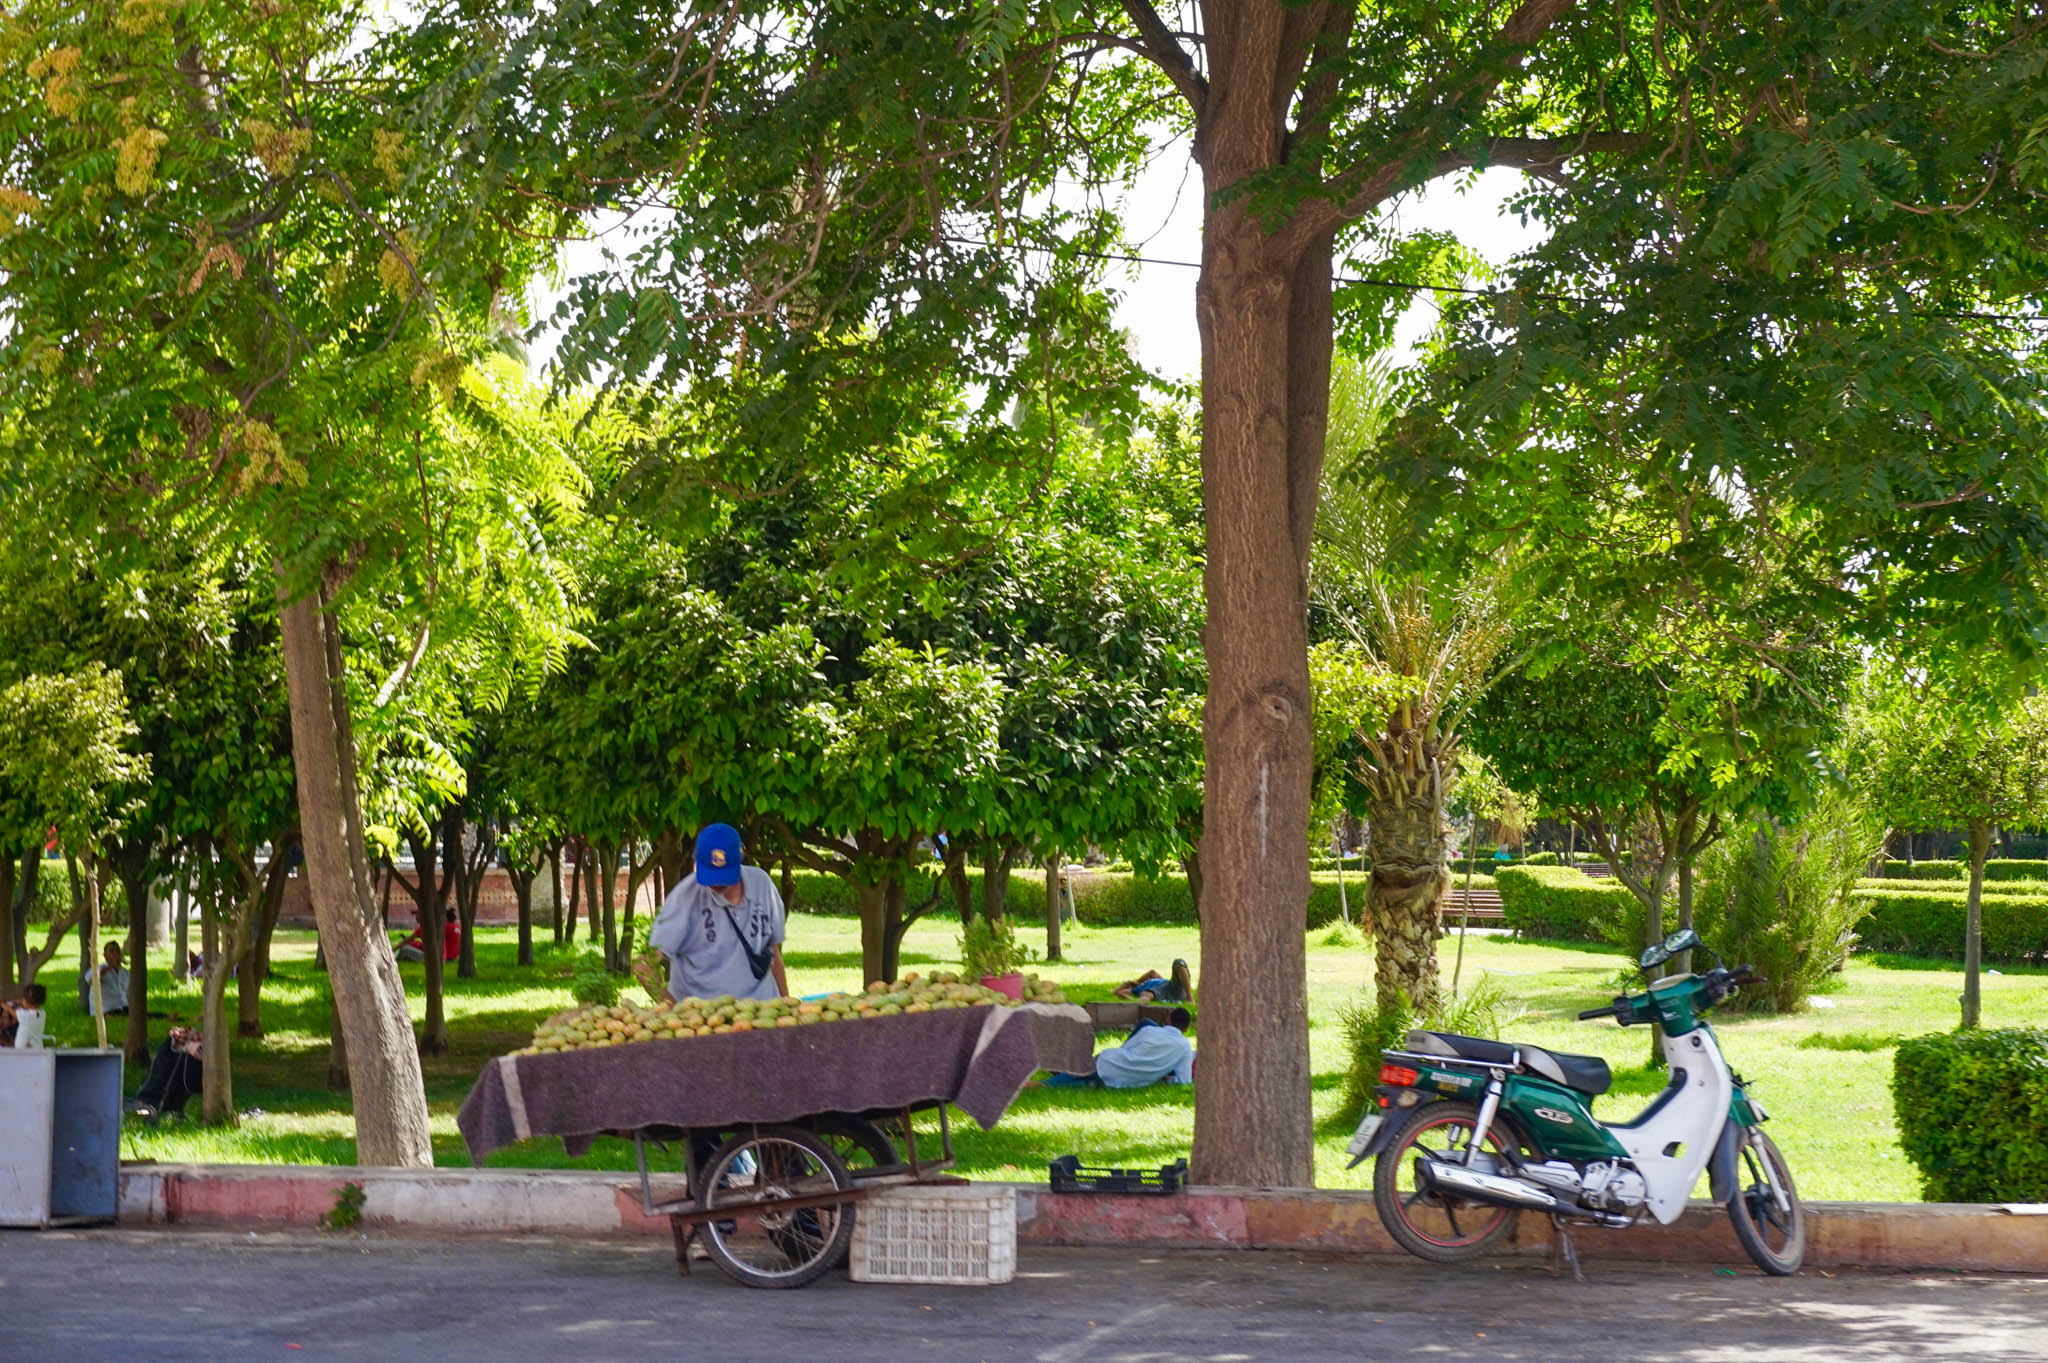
(1828, 1091)
(1848, 1041)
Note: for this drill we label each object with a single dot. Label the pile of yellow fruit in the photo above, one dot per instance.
(583, 1028)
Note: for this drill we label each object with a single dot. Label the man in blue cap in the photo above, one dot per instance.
(721, 927)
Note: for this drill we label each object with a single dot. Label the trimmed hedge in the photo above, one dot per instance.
(1102, 899)
(2011, 868)
(1561, 902)
(1971, 1108)
(1929, 921)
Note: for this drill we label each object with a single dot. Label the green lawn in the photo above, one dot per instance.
(1825, 1073)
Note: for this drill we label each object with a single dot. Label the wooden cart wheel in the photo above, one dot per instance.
(757, 1243)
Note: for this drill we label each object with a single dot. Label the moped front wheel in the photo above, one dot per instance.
(1423, 1221)
(1769, 1220)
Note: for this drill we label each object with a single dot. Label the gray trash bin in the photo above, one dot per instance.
(60, 1137)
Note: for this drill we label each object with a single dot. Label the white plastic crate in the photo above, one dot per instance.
(937, 1233)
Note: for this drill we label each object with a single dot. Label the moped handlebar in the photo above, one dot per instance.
(1592, 1013)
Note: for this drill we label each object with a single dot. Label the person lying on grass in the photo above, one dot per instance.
(1155, 1053)
(1153, 987)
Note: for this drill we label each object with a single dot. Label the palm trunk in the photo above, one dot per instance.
(1408, 879)
(384, 1068)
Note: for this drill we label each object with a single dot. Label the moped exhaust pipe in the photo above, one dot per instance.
(1472, 1183)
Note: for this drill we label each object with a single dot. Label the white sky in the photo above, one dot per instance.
(1163, 214)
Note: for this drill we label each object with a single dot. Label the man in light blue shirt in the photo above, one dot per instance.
(1156, 1053)
(721, 928)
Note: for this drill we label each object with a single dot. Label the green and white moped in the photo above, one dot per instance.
(1469, 1133)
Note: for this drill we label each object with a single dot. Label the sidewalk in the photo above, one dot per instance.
(571, 1202)
(471, 1299)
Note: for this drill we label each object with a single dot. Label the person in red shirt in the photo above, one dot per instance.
(413, 948)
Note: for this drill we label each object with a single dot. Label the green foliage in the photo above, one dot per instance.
(1734, 356)
(1540, 859)
(1946, 755)
(1783, 899)
(1564, 904)
(65, 760)
(347, 1211)
(990, 947)
(592, 984)
(1929, 921)
(1971, 1107)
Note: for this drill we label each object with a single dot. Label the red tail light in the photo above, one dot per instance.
(1398, 1074)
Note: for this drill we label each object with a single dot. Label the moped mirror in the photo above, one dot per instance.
(1685, 939)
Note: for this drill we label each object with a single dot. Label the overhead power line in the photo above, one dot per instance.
(1419, 286)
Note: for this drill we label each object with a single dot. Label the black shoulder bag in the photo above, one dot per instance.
(757, 961)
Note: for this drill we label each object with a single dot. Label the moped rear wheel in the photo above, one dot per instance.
(1426, 1223)
(1772, 1235)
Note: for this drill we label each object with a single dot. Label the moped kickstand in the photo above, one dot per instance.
(1562, 1254)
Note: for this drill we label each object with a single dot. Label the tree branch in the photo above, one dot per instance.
(1168, 55)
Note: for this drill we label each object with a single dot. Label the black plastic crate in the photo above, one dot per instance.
(1069, 1175)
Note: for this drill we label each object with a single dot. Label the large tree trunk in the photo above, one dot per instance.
(430, 894)
(522, 875)
(995, 882)
(576, 890)
(254, 966)
(555, 883)
(606, 872)
(1973, 925)
(384, 1067)
(1265, 329)
(25, 891)
(873, 901)
(132, 867)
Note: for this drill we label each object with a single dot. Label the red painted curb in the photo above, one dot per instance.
(578, 1202)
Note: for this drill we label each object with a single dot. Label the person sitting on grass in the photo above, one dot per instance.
(413, 948)
(1178, 986)
(113, 984)
(21, 1021)
(1155, 1053)
(175, 1074)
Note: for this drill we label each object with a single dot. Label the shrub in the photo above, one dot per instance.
(1540, 859)
(591, 985)
(2011, 868)
(1971, 1108)
(1929, 921)
(53, 893)
(1559, 902)
(1784, 900)
(1102, 899)
(1484, 1010)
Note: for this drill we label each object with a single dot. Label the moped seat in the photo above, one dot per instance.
(1587, 1074)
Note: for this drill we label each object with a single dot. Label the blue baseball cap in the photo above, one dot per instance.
(718, 855)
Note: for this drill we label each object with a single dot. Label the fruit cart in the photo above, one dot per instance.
(783, 1131)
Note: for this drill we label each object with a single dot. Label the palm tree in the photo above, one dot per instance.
(1443, 636)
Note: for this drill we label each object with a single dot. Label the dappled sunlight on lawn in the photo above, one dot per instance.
(1824, 1073)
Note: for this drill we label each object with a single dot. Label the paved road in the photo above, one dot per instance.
(186, 1295)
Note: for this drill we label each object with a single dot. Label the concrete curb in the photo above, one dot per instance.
(585, 1202)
